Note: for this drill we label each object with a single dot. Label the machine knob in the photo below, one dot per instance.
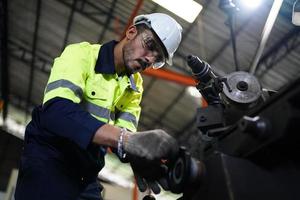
(256, 126)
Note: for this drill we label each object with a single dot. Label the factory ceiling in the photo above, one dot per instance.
(38, 31)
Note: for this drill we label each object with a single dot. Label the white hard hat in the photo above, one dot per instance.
(167, 30)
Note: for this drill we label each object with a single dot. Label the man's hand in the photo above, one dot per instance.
(152, 145)
(149, 175)
(145, 152)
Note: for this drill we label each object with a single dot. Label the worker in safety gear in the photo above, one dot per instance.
(91, 102)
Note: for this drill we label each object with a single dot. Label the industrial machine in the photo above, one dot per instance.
(249, 135)
(250, 140)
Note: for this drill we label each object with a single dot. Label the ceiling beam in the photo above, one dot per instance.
(90, 15)
(4, 84)
(108, 21)
(34, 44)
(171, 76)
(25, 55)
(134, 13)
(279, 51)
(70, 21)
(213, 58)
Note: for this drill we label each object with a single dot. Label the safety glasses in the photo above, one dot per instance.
(150, 44)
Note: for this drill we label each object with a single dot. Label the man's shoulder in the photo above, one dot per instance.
(83, 48)
(83, 44)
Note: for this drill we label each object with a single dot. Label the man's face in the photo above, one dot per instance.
(141, 52)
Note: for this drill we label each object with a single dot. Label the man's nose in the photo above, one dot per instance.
(150, 58)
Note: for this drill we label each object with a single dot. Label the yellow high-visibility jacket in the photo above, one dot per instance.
(77, 75)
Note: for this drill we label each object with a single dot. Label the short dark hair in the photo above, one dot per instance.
(141, 28)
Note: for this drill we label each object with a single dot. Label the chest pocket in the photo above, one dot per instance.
(98, 98)
(98, 91)
(94, 93)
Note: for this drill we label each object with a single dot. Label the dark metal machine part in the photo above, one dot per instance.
(255, 156)
(258, 157)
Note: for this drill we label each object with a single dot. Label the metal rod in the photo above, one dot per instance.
(266, 33)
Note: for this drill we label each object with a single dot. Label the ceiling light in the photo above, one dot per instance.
(186, 9)
(251, 4)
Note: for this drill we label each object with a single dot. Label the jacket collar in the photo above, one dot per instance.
(105, 62)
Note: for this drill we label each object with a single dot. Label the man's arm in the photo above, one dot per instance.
(61, 112)
(107, 135)
(68, 119)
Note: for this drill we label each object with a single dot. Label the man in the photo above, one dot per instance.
(92, 100)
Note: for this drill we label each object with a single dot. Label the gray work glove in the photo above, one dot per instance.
(145, 151)
(152, 145)
(149, 174)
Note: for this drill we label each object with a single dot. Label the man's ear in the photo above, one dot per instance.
(131, 32)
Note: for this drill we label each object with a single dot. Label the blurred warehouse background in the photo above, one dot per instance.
(233, 38)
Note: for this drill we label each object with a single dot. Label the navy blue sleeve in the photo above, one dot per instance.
(67, 119)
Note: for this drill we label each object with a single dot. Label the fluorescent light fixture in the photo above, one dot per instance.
(186, 9)
(251, 3)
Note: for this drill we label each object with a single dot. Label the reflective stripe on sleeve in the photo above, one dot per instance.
(107, 114)
(96, 110)
(127, 117)
(66, 84)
